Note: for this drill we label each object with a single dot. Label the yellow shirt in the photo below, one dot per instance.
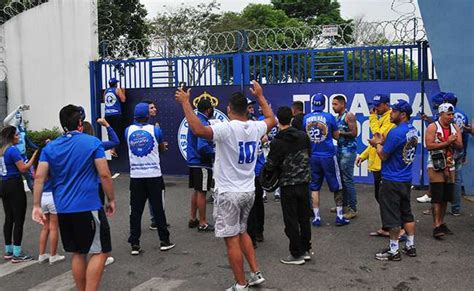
(377, 125)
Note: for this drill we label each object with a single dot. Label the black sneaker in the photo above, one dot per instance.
(193, 223)
(438, 232)
(136, 250)
(21, 258)
(386, 255)
(153, 226)
(445, 229)
(205, 228)
(409, 251)
(259, 237)
(277, 198)
(165, 246)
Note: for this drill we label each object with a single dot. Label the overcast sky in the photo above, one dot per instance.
(372, 10)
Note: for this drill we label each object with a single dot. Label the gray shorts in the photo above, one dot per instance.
(231, 211)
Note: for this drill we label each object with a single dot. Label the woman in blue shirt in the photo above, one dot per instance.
(13, 193)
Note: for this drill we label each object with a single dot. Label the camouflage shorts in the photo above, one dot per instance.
(231, 211)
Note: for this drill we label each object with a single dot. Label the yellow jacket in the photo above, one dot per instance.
(381, 125)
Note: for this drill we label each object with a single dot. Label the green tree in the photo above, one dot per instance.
(122, 20)
(313, 12)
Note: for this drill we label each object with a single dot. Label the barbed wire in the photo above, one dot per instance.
(357, 33)
(15, 7)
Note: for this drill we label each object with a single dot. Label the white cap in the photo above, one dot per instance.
(445, 107)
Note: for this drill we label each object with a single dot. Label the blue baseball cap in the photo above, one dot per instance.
(450, 98)
(379, 99)
(318, 102)
(141, 110)
(437, 99)
(402, 106)
(113, 81)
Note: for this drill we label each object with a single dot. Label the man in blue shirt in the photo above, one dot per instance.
(200, 157)
(144, 141)
(397, 152)
(321, 128)
(113, 99)
(73, 163)
(346, 153)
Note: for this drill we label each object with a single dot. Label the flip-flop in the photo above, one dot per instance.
(377, 233)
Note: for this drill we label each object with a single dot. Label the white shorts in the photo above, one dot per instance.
(47, 203)
(231, 211)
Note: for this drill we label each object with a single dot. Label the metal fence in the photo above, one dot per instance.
(380, 63)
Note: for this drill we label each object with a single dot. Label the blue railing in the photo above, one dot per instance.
(382, 63)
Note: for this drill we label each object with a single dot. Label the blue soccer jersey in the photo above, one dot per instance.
(72, 172)
(320, 127)
(400, 145)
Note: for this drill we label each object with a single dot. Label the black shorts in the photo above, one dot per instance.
(394, 200)
(117, 123)
(200, 179)
(85, 232)
(441, 192)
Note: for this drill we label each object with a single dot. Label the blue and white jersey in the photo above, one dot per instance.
(113, 105)
(236, 154)
(320, 126)
(400, 145)
(143, 141)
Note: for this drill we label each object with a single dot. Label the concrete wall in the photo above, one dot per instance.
(450, 28)
(47, 52)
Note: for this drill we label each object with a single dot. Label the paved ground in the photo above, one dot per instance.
(344, 257)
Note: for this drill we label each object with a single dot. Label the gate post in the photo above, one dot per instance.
(95, 80)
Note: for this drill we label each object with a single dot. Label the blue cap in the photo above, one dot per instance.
(318, 102)
(379, 99)
(437, 99)
(450, 98)
(113, 81)
(402, 106)
(141, 110)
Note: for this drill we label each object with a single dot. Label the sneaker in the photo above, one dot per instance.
(316, 222)
(409, 251)
(424, 199)
(7, 256)
(205, 228)
(342, 221)
(109, 261)
(290, 260)
(445, 229)
(43, 258)
(427, 212)
(277, 198)
(350, 214)
(256, 279)
(264, 198)
(386, 255)
(193, 223)
(455, 213)
(153, 226)
(165, 246)
(307, 255)
(333, 210)
(438, 232)
(234, 288)
(136, 250)
(259, 237)
(21, 258)
(56, 259)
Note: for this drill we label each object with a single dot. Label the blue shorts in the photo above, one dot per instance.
(325, 167)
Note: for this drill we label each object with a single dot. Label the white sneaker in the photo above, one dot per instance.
(256, 279)
(424, 199)
(43, 258)
(110, 260)
(56, 259)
